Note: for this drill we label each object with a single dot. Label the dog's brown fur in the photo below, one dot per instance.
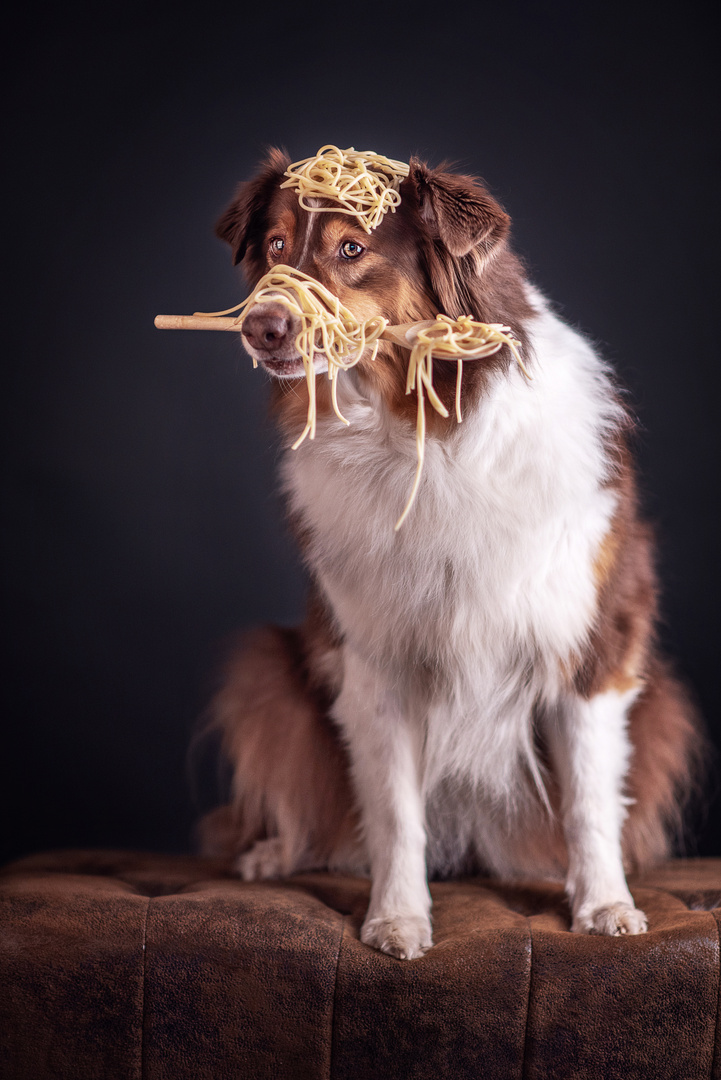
(291, 770)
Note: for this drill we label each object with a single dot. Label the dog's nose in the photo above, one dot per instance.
(267, 327)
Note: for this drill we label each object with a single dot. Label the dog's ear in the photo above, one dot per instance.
(246, 213)
(458, 210)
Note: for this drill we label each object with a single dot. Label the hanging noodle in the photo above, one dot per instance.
(363, 183)
(326, 327)
(448, 339)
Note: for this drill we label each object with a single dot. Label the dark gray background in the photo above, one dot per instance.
(140, 522)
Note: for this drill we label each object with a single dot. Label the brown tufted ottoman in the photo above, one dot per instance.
(151, 967)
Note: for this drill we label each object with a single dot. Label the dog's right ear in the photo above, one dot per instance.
(246, 214)
(458, 210)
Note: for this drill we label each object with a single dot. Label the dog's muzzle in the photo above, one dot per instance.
(269, 335)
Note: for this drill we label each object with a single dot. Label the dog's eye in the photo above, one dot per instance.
(351, 250)
(276, 245)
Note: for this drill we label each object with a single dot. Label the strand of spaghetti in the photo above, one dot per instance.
(459, 380)
(309, 428)
(420, 378)
(420, 455)
(215, 314)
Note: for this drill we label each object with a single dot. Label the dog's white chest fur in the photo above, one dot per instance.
(487, 589)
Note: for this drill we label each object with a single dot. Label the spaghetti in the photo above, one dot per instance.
(448, 339)
(363, 184)
(327, 327)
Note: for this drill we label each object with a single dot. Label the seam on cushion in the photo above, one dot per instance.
(528, 1000)
(142, 1003)
(718, 1002)
(335, 994)
(669, 892)
(664, 892)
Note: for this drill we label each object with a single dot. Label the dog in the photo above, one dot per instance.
(482, 690)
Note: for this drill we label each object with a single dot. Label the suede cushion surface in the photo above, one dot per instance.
(120, 965)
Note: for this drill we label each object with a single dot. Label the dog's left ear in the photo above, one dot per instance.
(245, 216)
(458, 210)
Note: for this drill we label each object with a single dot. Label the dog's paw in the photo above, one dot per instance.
(404, 936)
(612, 920)
(263, 862)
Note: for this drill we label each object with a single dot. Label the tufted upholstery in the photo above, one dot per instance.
(117, 965)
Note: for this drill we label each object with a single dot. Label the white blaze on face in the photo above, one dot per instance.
(311, 225)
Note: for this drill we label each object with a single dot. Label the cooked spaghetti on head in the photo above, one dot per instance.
(362, 183)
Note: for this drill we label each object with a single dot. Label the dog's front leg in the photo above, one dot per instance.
(385, 759)
(591, 753)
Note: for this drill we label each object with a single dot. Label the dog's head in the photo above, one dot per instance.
(443, 250)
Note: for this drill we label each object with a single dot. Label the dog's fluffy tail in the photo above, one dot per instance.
(670, 757)
(292, 806)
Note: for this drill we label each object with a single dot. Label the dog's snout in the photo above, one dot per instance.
(267, 327)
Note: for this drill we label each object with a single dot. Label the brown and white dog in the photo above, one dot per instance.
(481, 690)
